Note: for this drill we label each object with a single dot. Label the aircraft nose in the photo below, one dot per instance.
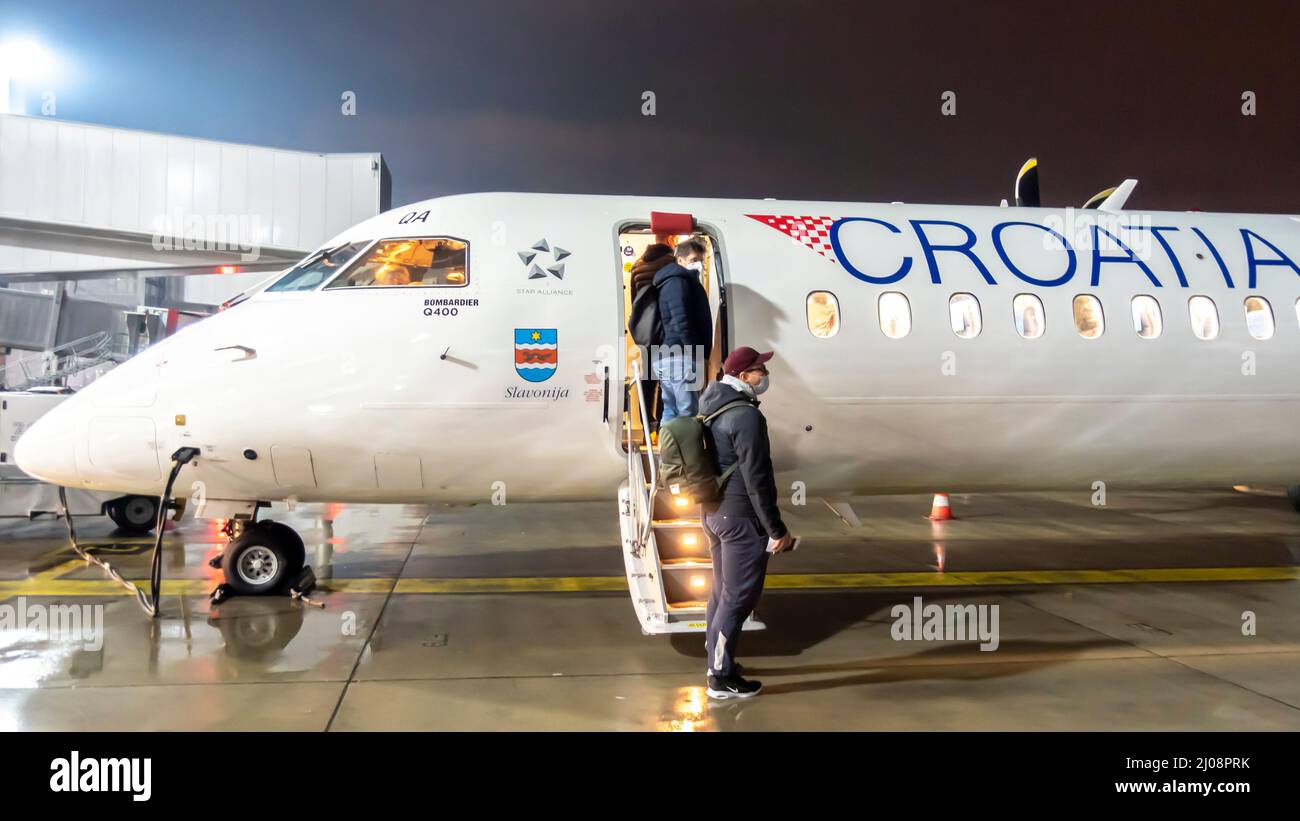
(48, 450)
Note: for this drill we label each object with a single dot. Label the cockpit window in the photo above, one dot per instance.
(318, 267)
(439, 262)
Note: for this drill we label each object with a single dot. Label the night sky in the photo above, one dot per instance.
(796, 100)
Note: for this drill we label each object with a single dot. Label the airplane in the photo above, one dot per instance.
(473, 349)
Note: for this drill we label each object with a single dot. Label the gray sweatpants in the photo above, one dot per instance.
(739, 548)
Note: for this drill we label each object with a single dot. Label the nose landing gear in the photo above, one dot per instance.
(265, 559)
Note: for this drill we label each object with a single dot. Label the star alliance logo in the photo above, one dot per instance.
(544, 263)
(538, 266)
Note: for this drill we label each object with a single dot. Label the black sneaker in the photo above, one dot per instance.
(733, 686)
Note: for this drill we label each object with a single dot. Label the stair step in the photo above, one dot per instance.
(687, 607)
(667, 499)
(676, 523)
(666, 492)
(686, 563)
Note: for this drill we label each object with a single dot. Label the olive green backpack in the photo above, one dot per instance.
(687, 464)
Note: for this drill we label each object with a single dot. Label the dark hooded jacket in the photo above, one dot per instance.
(643, 273)
(740, 436)
(684, 309)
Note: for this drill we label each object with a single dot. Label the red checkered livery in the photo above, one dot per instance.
(814, 232)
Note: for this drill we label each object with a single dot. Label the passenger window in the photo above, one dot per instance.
(1088, 319)
(964, 313)
(1259, 317)
(1297, 311)
(318, 267)
(1030, 319)
(1205, 317)
(823, 314)
(437, 262)
(1146, 317)
(895, 315)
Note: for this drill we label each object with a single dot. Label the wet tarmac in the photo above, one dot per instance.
(1157, 611)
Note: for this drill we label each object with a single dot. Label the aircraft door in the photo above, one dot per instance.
(642, 249)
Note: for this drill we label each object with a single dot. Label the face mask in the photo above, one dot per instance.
(697, 266)
(761, 386)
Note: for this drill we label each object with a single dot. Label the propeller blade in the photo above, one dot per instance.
(1112, 199)
(1027, 184)
(1094, 202)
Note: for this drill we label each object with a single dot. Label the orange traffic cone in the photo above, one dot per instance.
(940, 510)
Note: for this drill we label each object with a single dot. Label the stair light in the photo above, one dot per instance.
(697, 582)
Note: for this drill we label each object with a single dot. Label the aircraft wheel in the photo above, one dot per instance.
(1293, 493)
(266, 558)
(134, 514)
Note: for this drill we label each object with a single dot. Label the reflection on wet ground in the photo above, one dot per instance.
(1127, 616)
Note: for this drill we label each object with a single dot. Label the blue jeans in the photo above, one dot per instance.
(677, 387)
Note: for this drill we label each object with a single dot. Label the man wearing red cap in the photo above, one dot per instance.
(744, 526)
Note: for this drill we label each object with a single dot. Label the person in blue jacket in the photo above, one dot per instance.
(687, 331)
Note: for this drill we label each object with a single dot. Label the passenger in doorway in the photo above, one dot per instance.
(688, 331)
(656, 256)
(744, 527)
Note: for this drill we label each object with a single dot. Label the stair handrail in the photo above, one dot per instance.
(97, 345)
(98, 342)
(648, 494)
(645, 424)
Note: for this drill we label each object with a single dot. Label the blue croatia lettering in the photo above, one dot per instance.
(1253, 262)
(1071, 257)
(903, 268)
(1259, 253)
(964, 248)
(1218, 258)
(1164, 244)
(1128, 257)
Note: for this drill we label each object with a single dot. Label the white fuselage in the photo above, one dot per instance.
(376, 395)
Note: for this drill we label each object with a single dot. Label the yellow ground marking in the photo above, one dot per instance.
(1138, 575)
(355, 585)
(46, 583)
(537, 584)
(95, 588)
(986, 578)
(60, 569)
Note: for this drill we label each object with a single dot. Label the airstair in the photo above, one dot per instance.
(58, 363)
(665, 551)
